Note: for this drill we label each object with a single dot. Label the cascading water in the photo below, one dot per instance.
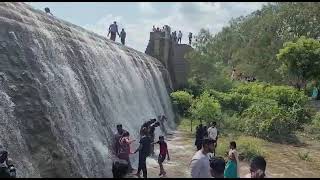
(64, 89)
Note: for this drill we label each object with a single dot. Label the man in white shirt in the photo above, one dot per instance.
(200, 163)
(213, 134)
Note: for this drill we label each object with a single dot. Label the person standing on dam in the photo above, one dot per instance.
(123, 36)
(47, 10)
(190, 38)
(113, 30)
(179, 36)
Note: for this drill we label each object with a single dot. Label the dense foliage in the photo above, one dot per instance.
(279, 46)
(206, 108)
(182, 101)
(300, 59)
(250, 43)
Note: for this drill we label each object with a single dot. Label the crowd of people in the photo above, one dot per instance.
(176, 38)
(122, 165)
(205, 163)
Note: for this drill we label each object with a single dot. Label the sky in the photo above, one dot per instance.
(137, 18)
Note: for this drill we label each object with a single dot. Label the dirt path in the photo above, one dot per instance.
(282, 160)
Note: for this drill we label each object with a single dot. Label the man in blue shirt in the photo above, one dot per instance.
(113, 29)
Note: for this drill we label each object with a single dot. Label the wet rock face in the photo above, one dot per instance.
(64, 89)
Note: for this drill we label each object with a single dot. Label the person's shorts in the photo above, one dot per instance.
(161, 158)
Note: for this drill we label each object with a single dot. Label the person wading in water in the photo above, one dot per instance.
(144, 151)
(125, 150)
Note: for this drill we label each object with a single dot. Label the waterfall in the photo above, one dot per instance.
(63, 89)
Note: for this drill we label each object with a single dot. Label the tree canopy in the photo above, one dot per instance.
(250, 44)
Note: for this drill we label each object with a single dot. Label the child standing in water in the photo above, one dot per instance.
(162, 155)
(232, 167)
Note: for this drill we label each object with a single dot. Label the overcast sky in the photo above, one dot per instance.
(137, 18)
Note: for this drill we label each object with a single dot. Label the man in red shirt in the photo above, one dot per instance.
(163, 153)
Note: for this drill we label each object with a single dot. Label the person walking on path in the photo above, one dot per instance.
(123, 36)
(113, 30)
(162, 154)
(213, 134)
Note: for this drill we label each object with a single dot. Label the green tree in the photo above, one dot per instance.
(250, 43)
(182, 100)
(300, 59)
(206, 108)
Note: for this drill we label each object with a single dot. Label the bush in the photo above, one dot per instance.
(185, 125)
(267, 120)
(182, 100)
(247, 147)
(304, 156)
(284, 95)
(206, 108)
(233, 101)
(313, 128)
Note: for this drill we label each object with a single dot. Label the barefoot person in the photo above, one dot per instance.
(162, 155)
(200, 165)
(232, 167)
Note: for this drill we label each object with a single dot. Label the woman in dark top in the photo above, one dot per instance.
(144, 151)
